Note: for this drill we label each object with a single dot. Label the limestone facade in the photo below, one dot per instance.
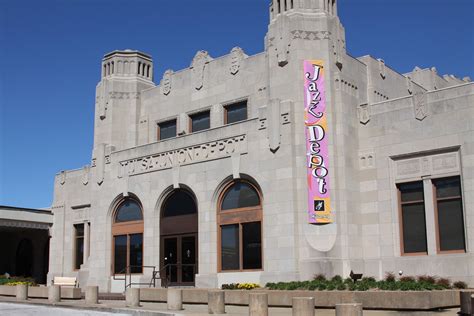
(384, 127)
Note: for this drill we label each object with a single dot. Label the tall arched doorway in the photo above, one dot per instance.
(179, 237)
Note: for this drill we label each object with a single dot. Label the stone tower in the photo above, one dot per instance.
(124, 75)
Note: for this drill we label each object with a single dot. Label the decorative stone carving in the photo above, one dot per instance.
(364, 113)
(184, 156)
(283, 41)
(408, 167)
(166, 82)
(420, 106)
(409, 84)
(310, 35)
(124, 95)
(198, 66)
(100, 163)
(236, 56)
(62, 177)
(382, 68)
(85, 175)
(367, 160)
(274, 130)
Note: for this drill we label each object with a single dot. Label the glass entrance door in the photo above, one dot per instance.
(179, 258)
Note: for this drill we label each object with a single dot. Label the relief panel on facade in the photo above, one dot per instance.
(184, 156)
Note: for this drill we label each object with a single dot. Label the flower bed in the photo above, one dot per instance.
(12, 281)
(390, 283)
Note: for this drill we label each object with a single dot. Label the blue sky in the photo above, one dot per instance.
(50, 54)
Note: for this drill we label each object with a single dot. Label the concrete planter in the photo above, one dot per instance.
(395, 300)
(42, 292)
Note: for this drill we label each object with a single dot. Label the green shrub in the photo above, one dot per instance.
(460, 285)
(337, 279)
(341, 287)
(407, 279)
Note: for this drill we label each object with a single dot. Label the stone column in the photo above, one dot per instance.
(303, 306)
(466, 303)
(258, 304)
(85, 257)
(216, 302)
(472, 303)
(92, 295)
(175, 299)
(54, 293)
(132, 297)
(22, 292)
(350, 309)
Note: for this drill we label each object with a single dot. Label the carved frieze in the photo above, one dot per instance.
(184, 156)
(166, 82)
(236, 56)
(310, 35)
(198, 66)
(124, 95)
(427, 165)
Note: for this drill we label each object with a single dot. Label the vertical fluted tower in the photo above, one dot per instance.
(124, 74)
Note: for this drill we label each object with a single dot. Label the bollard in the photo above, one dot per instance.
(258, 304)
(54, 293)
(22, 292)
(132, 297)
(350, 309)
(466, 302)
(303, 306)
(472, 303)
(175, 299)
(216, 302)
(92, 295)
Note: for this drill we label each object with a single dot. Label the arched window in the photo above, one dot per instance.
(127, 231)
(239, 219)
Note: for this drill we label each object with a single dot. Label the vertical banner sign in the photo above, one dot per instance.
(319, 202)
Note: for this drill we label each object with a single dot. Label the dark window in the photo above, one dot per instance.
(252, 245)
(450, 219)
(167, 129)
(413, 217)
(136, 253)
(79, 245)
(236, 112)
(200, 121)
(240, 195)
(120, 251)
(230, 247)
(128, 210)
(179, 203)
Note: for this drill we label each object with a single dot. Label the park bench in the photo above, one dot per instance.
(65, 281)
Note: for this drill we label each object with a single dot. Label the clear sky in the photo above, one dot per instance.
(50, 54)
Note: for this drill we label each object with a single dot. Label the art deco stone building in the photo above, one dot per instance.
(299, 160)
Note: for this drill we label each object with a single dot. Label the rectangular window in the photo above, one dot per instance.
(449, 215)
(413, 221)
(235, 112)
(252, 245)
(241, 246)
(230, 247)
(200, 121)
(79, 245)
(128, 252)
(167, 129)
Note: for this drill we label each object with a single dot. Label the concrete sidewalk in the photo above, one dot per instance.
(10, 306)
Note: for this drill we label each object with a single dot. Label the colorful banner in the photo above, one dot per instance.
(319, 202)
